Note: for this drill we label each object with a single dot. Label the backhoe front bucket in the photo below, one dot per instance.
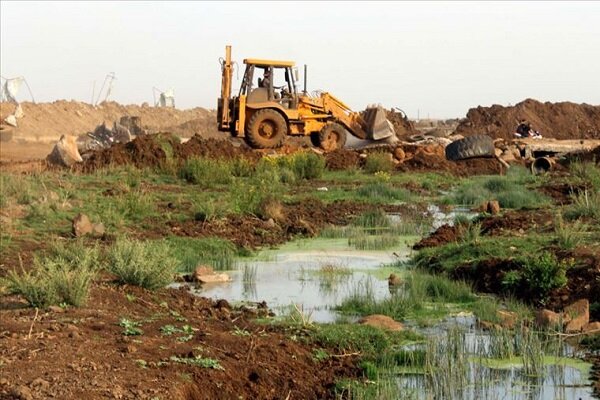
(376, 124)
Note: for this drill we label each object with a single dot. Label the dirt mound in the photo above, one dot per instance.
(155, 150)
(553, 120)
(442, 235)
(342, 159)
(48, 121)
(402, 125)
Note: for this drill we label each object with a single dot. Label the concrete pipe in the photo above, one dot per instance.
(541, 165)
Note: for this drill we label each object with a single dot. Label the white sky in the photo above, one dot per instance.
(437, 59)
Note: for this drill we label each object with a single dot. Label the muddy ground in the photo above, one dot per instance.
(79, 353)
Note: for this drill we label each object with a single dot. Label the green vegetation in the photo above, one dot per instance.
(585, 205)
(206, 172)
(198, 361)
(63, 275)
(190, 252)
(378, 162)
(147, 264)
(511, 191)
(130, 328)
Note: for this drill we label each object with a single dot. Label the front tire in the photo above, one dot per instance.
(266, 129)
(332, 137)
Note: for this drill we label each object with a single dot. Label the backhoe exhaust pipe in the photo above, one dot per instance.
(305, 91)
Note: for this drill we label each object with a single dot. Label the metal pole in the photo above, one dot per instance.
(305, 73)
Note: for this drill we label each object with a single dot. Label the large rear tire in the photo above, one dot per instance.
(470, 147)
(266, 129)
(332, 137)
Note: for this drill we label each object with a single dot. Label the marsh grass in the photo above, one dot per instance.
(382, 192)
(363, 241)
(511, 191)
(190, 252)
(148, 264)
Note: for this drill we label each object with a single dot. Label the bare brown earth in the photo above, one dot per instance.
(46, 122)
(83, 353)
(563, 120)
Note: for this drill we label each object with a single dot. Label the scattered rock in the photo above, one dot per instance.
(56, 309)
(592, 327)
(22, 393)
(202, 270)
(214, 278)
(40, 384)
(547, 319)
(508, 319)
(488, 326)
(82, 225)
(382, 322)
(11, 120)
(399, 154)
(65, 152)
(578, 314)
(394, 280)
(493, 207)
(98, 229)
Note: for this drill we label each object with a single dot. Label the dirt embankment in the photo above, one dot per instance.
(563, 120)
(402, 125)
(46, 122)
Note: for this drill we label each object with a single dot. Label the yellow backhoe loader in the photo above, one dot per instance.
(265, 114)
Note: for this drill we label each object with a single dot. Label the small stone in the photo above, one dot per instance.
(399, 154)
(579, 315)
(592, 327)
(214, 278)
(382, 322)
(493, 207)
(270, 223)
(22, 393)
(394, 280)
(98, 229)
(56, 309)
(202, 270)
(546, 318)
(81, 225)
(40, 384)
(508, 319)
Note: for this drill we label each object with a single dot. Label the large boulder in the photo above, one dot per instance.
(82, 225)
(65, 152)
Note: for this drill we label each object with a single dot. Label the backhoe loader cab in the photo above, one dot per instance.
(268, 108)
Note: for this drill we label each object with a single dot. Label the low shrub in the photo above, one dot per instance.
(307, 165)
(543, 274)
(148, 264)
(378, 162)
(63, 275)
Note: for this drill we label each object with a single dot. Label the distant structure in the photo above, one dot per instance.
(164, 98)
(108, 83)
(10, 88)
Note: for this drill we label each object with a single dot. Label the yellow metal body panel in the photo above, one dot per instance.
(268, 63)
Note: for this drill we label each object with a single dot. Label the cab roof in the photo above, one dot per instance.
(268, 63)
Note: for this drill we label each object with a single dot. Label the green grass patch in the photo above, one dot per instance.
(190, 252)
(378, 162)
(61, 276)
(148, 264)
(206, 172)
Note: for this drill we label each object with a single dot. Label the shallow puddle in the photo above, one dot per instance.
(315, 275)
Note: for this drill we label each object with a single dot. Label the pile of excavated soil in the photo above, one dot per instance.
(84, 353)
(48, 121)
(563, 120)
(155, 150)
(342, 159)
(402, 125)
